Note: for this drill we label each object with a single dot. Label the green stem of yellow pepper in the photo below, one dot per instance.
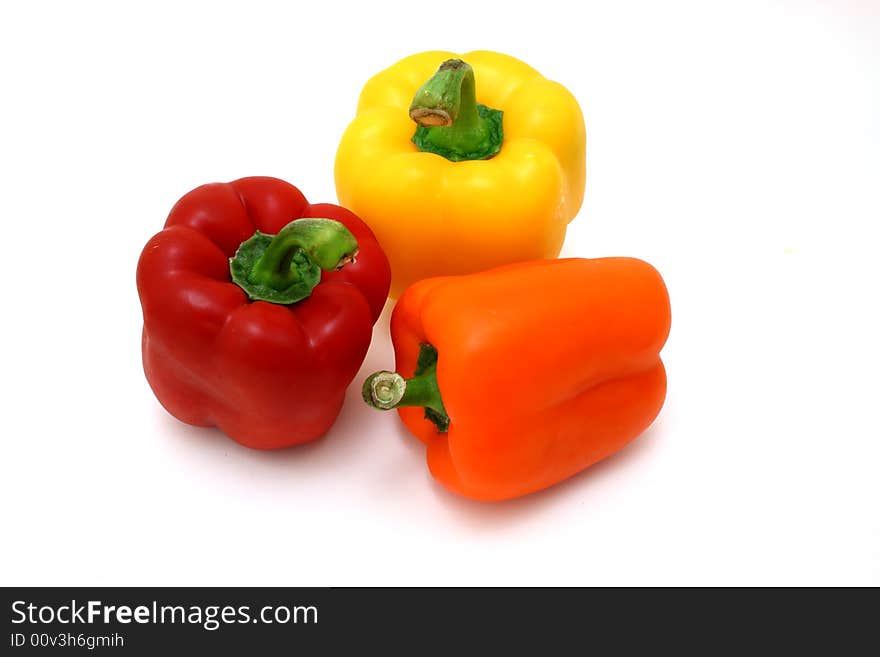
(451, 121)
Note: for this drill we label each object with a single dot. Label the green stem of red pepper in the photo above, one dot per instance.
(451, 122)
(386, 390)
(286, 267)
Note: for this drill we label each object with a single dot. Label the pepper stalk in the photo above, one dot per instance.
(386, 390)
(451, 121)
(286, 267)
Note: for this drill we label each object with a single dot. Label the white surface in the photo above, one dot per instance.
(736, 149)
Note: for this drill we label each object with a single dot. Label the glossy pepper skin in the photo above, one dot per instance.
(436, 217)
(543, 368)
(269, 375)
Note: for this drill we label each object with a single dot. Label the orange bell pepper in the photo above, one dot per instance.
(520, 377)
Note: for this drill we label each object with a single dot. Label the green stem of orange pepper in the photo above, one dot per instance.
(386, 390)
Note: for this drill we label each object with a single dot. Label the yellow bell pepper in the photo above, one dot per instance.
(473, 186)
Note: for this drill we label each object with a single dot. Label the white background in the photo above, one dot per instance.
(733, 145)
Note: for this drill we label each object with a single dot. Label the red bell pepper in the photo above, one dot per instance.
(258, 335)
